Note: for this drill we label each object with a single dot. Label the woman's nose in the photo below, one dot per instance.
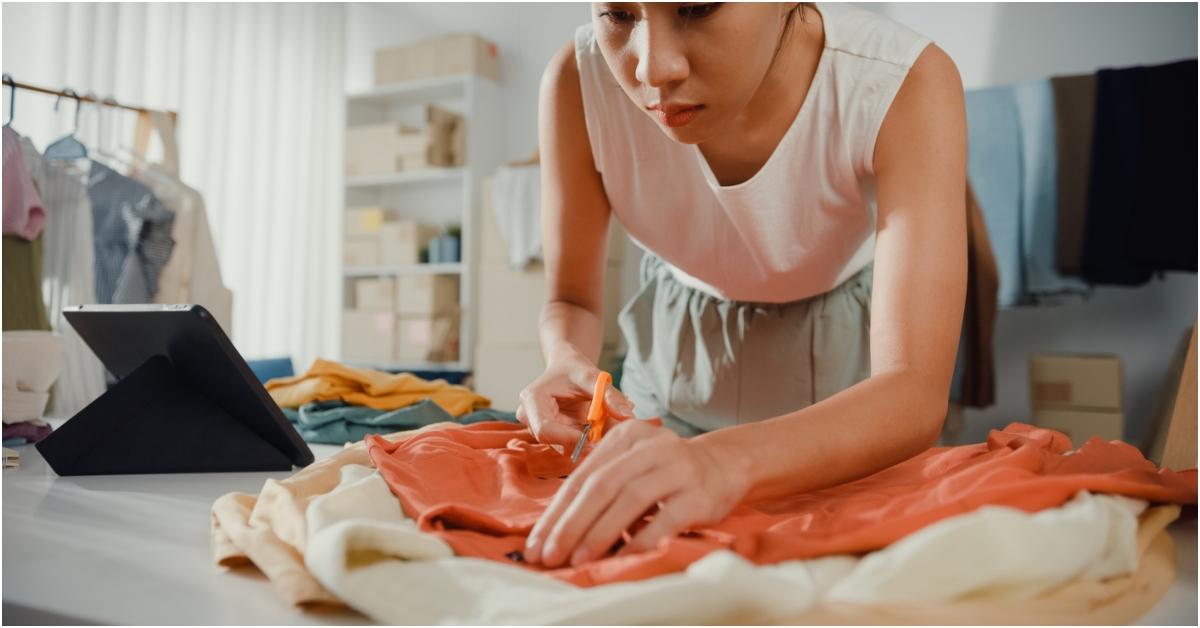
(662, 59)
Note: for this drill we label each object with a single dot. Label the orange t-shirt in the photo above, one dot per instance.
(482, 487)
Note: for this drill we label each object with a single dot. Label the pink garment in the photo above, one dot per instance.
(24, 215)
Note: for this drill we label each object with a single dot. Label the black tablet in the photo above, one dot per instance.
(185, 400)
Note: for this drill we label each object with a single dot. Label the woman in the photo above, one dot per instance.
(795, 173)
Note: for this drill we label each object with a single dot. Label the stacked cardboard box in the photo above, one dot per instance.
(509, 303)
(406, 318)
(457, 53)
(374, 237)
(1079, 395)
(375, 149)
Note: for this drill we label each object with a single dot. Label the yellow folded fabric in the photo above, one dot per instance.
(329, 381)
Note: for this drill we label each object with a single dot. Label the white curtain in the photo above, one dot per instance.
(258, 89)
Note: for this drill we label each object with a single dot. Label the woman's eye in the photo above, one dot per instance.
(697, 11)
(620, 17)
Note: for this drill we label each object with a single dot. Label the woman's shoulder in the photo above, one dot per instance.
(867, 35)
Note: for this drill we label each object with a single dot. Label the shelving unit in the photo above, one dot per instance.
(439, 196)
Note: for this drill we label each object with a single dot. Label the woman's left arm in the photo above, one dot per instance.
(917, 298)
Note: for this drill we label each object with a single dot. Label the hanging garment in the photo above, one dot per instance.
(193, 273)
(512, 479)
(1039, 196)
(1075, 109)
(994, 169)
(974, 380)
(68, 275)
(337, 423)
(1164, 221)
(993, 556)
(516, 200)
(22, 270)
(329, 381)
(1112, 190)
(132, 235)
(24, 214)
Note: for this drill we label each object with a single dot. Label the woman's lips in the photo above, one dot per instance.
(677, 116)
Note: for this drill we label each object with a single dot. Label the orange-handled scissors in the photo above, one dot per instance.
(595, 416)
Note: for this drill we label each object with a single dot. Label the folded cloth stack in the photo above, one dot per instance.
(32, 361)
(335, 404)
(956, 532)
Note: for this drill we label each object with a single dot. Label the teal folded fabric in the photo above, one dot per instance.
(336, 423)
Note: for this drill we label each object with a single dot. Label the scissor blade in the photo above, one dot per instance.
(579, 446)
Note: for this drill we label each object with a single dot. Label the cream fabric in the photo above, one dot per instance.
(269, 530)
(517, 202)
(805, 222)
(373, 558)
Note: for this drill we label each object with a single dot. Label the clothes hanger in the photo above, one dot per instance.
(68, 147)
(12, 98)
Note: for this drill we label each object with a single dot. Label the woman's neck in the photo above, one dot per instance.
(735, 156)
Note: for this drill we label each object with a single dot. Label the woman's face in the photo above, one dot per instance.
(691, 67)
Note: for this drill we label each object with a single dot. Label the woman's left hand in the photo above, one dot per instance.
(636, 466)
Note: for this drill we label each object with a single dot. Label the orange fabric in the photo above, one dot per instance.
(481, 488)
(328, 381)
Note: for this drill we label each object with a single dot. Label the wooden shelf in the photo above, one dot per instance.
(418, 91)
(408, 177)
(451, 268)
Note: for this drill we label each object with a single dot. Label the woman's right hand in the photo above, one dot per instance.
(555, 405)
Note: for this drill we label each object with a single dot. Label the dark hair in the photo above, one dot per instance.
(799, 8)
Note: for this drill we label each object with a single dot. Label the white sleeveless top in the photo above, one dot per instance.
(805, 222)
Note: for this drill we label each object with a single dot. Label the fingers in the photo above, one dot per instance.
(618, 404)
(580, 502)
(674, 515)
(544, 421)
(632, 502)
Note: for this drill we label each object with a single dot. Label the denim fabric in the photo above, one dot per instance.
(132, 233)
(994, 169)
(335, 422)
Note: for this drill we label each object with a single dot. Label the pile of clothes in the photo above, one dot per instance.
(335, 404)
(427, 526)
(32, 362)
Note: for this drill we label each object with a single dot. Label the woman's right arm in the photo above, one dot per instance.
(575, 215)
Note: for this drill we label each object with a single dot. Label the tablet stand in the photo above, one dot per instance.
(154, 421)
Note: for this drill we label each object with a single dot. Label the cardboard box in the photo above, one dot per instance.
(510, 303)
(427, 338)
(371, 148)
(400, 242)
(1080, 425)
(368, 335)
(426, 295)
(360, 251)
(366, 221)
(458, 53)
(375, 293)
(1075, 382)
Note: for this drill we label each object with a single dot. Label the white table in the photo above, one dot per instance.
(134, 549)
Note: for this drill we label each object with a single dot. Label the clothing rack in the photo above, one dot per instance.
(70, 93)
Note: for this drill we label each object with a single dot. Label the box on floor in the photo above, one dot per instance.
(1079, 395)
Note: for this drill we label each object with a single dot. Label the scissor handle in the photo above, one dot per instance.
(595, 417)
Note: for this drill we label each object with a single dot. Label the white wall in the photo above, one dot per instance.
(992, 44)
